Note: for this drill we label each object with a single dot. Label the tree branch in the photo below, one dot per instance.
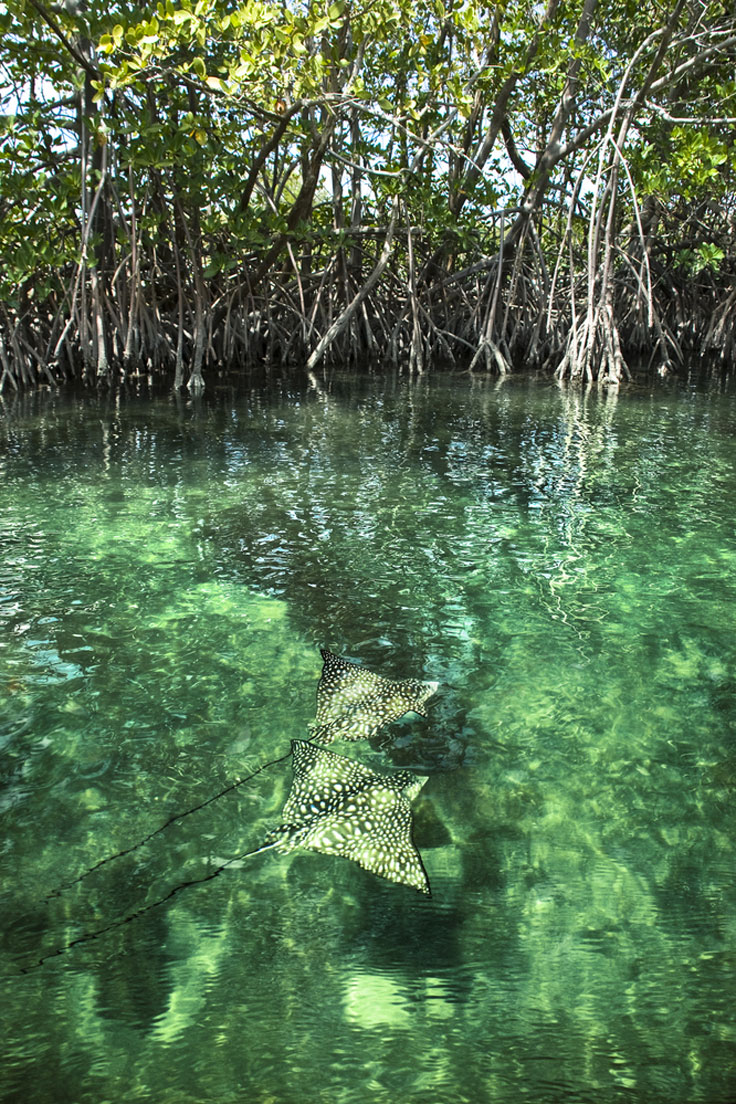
(69, 46)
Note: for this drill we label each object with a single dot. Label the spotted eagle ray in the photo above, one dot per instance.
(339, 807)
(354, 703)
(336, 805)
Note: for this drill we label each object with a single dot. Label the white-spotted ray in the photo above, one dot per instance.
(339, 807)
(354, 703)
(336, 806)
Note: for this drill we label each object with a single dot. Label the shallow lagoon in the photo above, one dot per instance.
(562, 563)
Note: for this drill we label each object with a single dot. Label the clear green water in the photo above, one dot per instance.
(565, 567)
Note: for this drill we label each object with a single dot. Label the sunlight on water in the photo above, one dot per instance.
(563, 564)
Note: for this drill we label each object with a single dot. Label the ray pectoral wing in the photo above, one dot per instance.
(341, 685)
(339, 807)
(354, 703)
(323, 781)
(376, 834)
(388, 850)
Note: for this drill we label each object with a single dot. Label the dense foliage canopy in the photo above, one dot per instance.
(202, 185)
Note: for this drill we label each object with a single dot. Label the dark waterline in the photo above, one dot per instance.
(563, 563)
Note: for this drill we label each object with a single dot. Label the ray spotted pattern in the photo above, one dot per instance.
(339, 807)
(354, 704)
(336, 806)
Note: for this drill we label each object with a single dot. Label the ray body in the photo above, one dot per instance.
(339, 807)
(354, 703)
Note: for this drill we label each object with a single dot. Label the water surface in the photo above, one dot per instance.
(562, 563)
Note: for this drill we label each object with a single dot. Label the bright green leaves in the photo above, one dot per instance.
(687, 162)
(31, 180)
(176, 38)
(112, 41)
(705, 257)
(331, 20)
(697, 157)
(219, 263)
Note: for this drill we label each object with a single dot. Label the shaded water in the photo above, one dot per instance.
(564, 565)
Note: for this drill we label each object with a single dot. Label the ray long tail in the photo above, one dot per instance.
(87, 937)
(172, 820)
